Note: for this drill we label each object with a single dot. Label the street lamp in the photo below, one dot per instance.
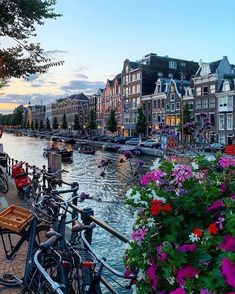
(182, 109)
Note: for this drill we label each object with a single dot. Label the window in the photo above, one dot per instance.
(144, 106)
(212, 102)
(222, 138)
(172, 64)
(229, 121)
(205, 90)
(159, 88)
(154, 104)
(212, 89)
(163, 103)
(160, 74)
(133, 89)
(198, 91)
(212, 119)
(172, 97)
(177, 120)
(138, 89)
(168, 120)
(167, 106)
(172, 120)
(177, 106)
(170, 75)
(149, 106)
(221, 122)
(159, 118)
(172, 106)
(204, 103)
(198, 104)
(159, 103)
(149, 118)
(183, 63)
(230, 101)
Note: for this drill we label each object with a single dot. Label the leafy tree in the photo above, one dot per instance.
(112, 123)
(141, 124)
(92, 120)
(32, 125)
(41, 125)
(55, 124)
(18, 21)
(76, 124)
(48, 124)
(18, 117)
(64, 124)
(36, 124)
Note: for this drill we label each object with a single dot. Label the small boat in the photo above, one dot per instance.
(65, 153)
(86, 150)
(69, 141)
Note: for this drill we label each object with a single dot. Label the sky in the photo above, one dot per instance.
(94, 37)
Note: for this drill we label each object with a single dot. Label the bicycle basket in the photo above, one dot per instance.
(15, 218)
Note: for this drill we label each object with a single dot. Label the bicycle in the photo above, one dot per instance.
(4, 187)
(72, 263)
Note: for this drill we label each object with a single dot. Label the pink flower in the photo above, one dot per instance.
(187, 247)
(182, 173)
(145, 180)
(233, 196)
(152, 273)
(219, 204)
(163, 256)
(228, 243)
(154, 176)
(227, 161)
(205, 291)
(228, 270)
(223, 187)
(186, 272)
(178, 291)
(139, 235)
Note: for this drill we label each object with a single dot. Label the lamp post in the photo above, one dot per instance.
(182, 109)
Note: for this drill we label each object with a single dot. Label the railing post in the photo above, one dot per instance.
(12, 163)
(86, 221)
(26, 167)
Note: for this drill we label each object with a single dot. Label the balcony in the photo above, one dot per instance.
(225, 107)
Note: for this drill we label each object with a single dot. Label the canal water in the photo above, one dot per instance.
(109, 191)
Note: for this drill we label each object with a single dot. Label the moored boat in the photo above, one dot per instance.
(65, 153)
(86, 150)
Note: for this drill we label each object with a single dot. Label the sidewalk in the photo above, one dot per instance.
(6, 200)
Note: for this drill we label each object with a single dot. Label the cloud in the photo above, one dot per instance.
(82, 86)
(82, 76)
(33, 98)
(55, 51)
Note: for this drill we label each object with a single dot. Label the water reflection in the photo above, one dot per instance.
(84, 169)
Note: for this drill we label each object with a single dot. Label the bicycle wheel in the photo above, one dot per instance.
(13, 248)
(3, 185)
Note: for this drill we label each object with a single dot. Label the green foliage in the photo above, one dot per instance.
(48, 124)
(55, 124)
(36, 126)
(41, 124)
(92, 120)
(174, 203)
(141, 124)
(18, 22)
(64, 124)
(111, 124)
(76, 124)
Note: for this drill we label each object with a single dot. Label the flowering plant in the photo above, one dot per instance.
(184, 234)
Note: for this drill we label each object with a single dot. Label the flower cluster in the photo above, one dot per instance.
(184, 234)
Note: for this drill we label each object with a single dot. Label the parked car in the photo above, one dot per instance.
(133, 141)
(120, 140)
(214, 147)
(151, 143)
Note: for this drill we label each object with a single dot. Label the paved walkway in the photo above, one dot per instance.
(6, 200)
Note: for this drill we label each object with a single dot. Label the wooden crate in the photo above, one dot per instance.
(15, 218)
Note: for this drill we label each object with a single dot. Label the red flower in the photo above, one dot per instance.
(156, 202)
(197, 232)
(213, 229)
(155, 209)
(167, 207)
